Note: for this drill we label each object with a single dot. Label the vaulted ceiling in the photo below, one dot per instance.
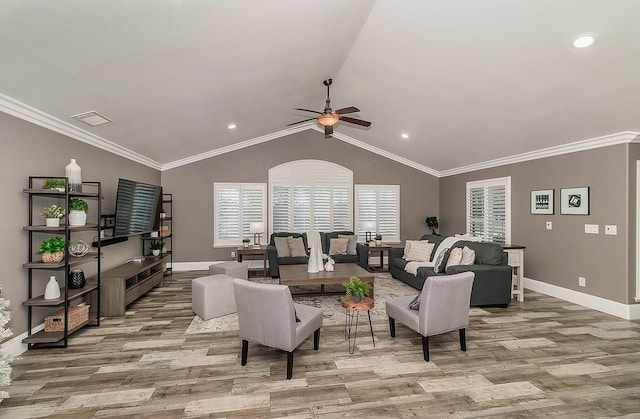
(470, 81)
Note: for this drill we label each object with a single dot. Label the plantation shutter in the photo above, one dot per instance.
(489, 209)
(379, 203)
(236, 205)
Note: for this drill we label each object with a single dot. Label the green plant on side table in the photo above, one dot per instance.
(52, 249)
(58, 184)
(355, 288)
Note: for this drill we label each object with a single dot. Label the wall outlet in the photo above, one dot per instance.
(582, 281)
(549, 225)
(611, 229)
(233, 255)
(591, 228)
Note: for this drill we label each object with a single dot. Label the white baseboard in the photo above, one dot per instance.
(625, 311)
(14, 346)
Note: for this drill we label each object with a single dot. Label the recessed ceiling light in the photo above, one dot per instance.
(583, 41)
(92, 118)
(231, 126)
(404, 135)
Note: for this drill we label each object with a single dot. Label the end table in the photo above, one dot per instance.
(259, 251)
(353, 309)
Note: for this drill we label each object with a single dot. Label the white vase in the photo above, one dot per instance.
(155, 252)
(52, 291)
(74, 174)
(77, 218)
(52, 222)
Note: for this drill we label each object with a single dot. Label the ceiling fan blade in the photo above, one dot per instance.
(350, 109)
(328, 130)
(355, 121)
(307, 110)
(300, 122)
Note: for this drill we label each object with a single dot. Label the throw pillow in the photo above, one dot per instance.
(455, 257)
(282, 247)
(468, 256)
(353, 242)
(296, 247)
(338, 246)
(415, 303)
(420, 251)
(441, 262)
(407, 248)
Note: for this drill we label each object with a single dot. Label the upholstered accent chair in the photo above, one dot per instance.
(267, 315)
(444, 306)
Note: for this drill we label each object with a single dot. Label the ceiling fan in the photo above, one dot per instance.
(329, 117)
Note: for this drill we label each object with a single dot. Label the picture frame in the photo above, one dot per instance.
(574, 201)
(542, 201)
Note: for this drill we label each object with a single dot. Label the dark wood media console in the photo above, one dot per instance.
(124, 284)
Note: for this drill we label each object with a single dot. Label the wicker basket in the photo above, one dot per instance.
(77, 316)
(52, 257)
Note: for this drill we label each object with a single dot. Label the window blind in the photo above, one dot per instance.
(379, 203)
(236, 205)
(489, 209)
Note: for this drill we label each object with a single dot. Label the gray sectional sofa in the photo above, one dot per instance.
(361, 257)
(493, 276)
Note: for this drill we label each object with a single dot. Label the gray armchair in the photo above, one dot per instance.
(267, 315)
(444, 306)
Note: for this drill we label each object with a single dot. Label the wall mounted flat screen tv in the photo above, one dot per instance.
(138, 208)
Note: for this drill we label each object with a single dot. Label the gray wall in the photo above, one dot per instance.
(192, 186)
(560, 255)
(29, 150)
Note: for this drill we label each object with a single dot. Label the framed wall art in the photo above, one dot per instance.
(542, 201)
(574, 201)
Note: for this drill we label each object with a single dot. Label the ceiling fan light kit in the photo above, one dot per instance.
(328, 118)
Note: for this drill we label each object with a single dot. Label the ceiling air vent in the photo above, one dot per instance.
(92, 118)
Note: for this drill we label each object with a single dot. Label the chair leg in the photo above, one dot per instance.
(316, 339)
(392, 327)
(245, 351)
(463, 339)
(289, 365)
(425, 348)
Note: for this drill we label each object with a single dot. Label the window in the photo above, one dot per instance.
(489, 209)
(235, 206)
(379, 203)
(310, 194)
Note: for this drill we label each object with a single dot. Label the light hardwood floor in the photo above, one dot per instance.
(543, 357)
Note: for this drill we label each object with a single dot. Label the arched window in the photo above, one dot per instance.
(310, 195)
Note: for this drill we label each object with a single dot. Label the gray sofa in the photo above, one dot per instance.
(492, 284)
(361, 257)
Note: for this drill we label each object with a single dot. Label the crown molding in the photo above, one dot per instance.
(234, 147)
(25, 112)
(597, 142)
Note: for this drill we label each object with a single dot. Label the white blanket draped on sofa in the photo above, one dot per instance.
(412, 267)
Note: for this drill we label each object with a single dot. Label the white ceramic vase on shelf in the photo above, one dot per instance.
(52, 291)
(74, 174)
(77, 218)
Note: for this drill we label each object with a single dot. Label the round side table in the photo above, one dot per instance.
(352, 310)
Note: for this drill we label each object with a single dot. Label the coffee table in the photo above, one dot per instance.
(297, 275)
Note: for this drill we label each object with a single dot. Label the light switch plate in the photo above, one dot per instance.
(549, 225)
(591, 228)
(611, 229)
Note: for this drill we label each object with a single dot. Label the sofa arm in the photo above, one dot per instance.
(272, 256)
(492, 283)
(363, 255)
(396, 252)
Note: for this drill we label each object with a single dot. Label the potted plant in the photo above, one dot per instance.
(52, 249)
(156, 247)
(432, 223)
(57, 184)
(378, 239)
(52, 215)
(245, 242)
(355, 288)
(78, 212)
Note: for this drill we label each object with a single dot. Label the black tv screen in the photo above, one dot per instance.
(138, 208)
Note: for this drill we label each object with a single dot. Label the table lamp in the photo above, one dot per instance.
(368, 226)
(257, 229)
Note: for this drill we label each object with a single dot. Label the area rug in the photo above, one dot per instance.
(385, 287)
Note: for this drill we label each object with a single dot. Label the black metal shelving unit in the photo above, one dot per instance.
(41, 339)
(166, 240)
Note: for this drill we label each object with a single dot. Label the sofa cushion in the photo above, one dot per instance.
(468, 256)
(345, 258)
(415, 303)
(289, 234)
(419, 251)
(486, 253)
(282, 246)
(353, 243)
(435, 239)
(325, 238)
(455, 257)
(296, 247)
(338, 246)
